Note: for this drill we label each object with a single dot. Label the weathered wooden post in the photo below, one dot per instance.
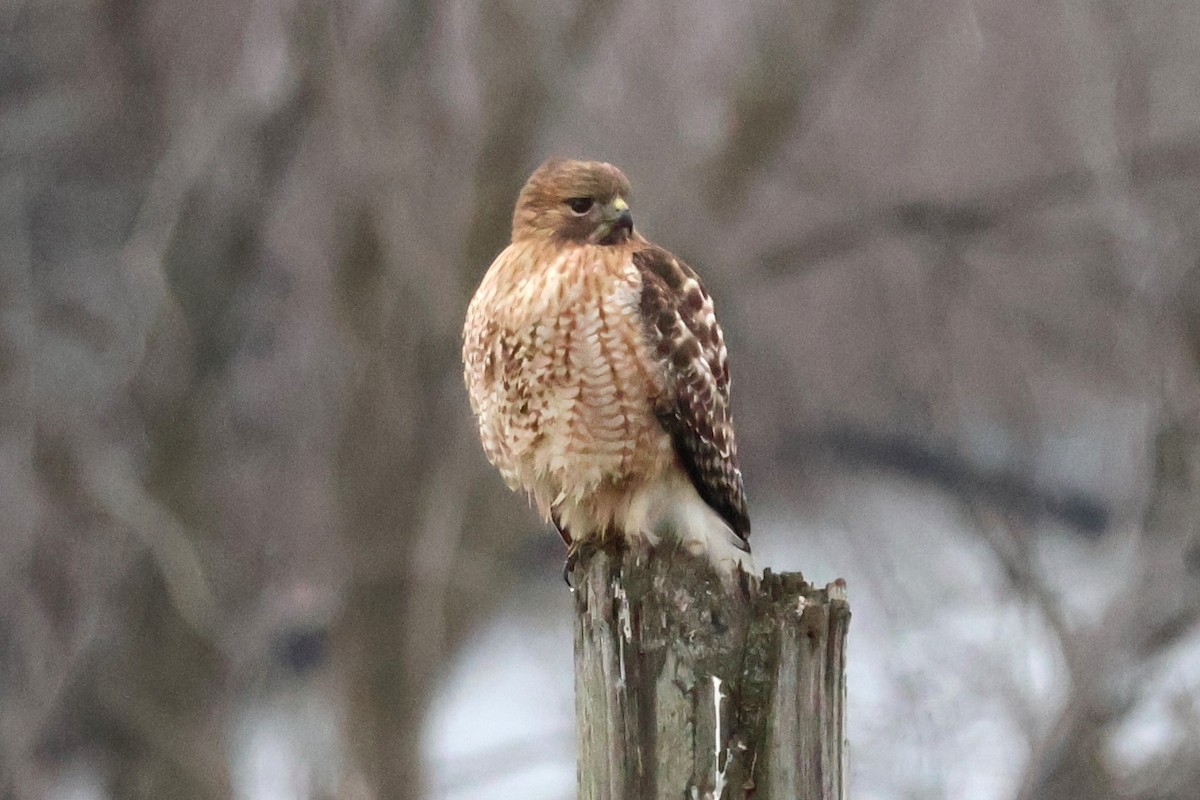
(690, 687)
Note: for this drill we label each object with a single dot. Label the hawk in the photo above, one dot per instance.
(599, 376)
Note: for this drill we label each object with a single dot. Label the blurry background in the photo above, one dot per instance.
(251, 548)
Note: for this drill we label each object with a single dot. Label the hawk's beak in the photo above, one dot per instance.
(618, 212)
(615, 217)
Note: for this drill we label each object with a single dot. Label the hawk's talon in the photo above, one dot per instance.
(569, 565)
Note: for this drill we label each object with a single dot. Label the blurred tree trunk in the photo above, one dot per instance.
(160, 701)
(1109, 666)
(128, 673)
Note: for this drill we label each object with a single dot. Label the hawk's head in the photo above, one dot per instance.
(575, 201)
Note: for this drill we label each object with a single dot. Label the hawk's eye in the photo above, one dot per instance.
(580, 205)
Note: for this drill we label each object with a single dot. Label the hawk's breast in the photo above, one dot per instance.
(559, 371)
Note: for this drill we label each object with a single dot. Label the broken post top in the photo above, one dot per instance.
(690, 684)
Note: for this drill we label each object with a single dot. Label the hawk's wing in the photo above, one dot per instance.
(686, 341)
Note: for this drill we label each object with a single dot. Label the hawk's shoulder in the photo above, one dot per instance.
(689, 348)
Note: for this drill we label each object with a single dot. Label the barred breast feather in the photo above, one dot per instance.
(600, 381)
(559, 375)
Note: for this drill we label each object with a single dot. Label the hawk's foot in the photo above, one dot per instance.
(569, 564)
(575, 549)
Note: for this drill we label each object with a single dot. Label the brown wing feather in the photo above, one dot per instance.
(686, 340)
